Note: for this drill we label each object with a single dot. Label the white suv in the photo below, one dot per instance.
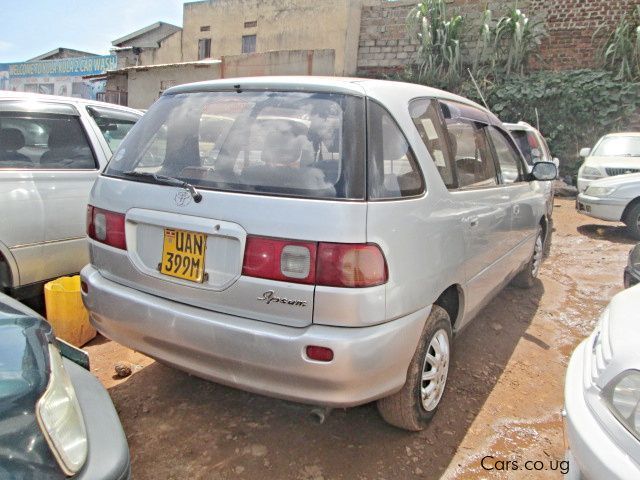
(51, 151)
(614, 154)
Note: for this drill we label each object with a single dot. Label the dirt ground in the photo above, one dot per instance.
(503, 398)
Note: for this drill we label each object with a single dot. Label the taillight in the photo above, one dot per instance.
(350, 265)
(106, 227)
(275, 259)
(328, 264)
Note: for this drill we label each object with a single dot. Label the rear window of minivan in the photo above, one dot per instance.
(265, 142)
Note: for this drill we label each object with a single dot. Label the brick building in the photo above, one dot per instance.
(386, 46)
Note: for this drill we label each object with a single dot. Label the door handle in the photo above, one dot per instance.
(473, 221)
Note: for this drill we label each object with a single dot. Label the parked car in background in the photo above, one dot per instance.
(56, 419)
(615, 199)
(242, 256)
(602, 395)
(535, 149)
(614, 154)
(632, 270)
(532, 143)
(51, 151)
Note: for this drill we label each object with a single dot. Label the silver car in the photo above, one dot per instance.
(51, 151)
(318, 240)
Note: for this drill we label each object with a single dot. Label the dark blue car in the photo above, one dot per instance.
(56, 419)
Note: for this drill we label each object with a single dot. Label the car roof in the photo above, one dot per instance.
(345, 85)
(10, 95)
(520, 126)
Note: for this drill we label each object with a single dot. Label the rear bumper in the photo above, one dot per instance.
(603, 208)
(369, 362)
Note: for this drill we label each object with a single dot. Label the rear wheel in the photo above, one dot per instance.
(632, 220)
(416, 403)
(526, 278)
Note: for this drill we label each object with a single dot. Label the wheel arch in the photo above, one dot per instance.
(452, 300)
(628, 208)
(11, 269)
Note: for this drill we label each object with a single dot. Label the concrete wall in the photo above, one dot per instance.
(146, 85)
(170, 51)
(287, 62)
(280, 25)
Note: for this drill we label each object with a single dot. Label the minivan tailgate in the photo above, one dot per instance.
(226, 220)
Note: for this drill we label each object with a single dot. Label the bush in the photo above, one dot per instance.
(575, 107)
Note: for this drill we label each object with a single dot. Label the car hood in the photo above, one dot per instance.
(613, 162)
(24, 375)
(620, 336)
(618, 180)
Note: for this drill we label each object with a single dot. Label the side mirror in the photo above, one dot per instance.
(584, 153)
(544, 171)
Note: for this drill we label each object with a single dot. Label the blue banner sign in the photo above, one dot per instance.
(64, 67)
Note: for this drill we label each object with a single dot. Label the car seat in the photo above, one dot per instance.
(12, 140)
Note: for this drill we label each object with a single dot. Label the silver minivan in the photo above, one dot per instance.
(313, 239)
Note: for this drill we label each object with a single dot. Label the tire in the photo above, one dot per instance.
(527, 277)
(548, 238)
(407, 409)
(632, 221)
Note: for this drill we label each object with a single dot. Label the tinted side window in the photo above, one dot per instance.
(392, 167)
(474, 165)
(506, 155)
(43, 141)
(424, 113)
(113, 125)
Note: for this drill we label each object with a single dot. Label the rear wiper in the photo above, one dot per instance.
(165, 180)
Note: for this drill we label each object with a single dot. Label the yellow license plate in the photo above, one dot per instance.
(183, 254)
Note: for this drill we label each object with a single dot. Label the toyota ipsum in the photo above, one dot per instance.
(318, 240)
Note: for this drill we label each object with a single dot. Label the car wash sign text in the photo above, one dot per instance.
(64, 67)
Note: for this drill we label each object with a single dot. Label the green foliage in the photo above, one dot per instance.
(575, 107)
(621, 48)
(506, 45)
(439, 36)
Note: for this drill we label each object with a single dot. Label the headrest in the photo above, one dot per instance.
(11, 139)
(62, 136)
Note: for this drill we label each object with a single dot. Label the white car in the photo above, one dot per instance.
(51, 151)
(602, 396)
(534, 149)
(614, 154)
(615, 199)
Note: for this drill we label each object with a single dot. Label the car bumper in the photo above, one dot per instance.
(369, 362)
(108, 457)
(583, 183)
(610, 209)
(592, 453)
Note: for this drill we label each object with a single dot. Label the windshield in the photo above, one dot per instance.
(618, 147)
(282, 143)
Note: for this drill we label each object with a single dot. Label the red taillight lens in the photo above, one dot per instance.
(285, 260)
(321, 354)
(91, 232)
(329, 264)
(350, 265)
(106, 227)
